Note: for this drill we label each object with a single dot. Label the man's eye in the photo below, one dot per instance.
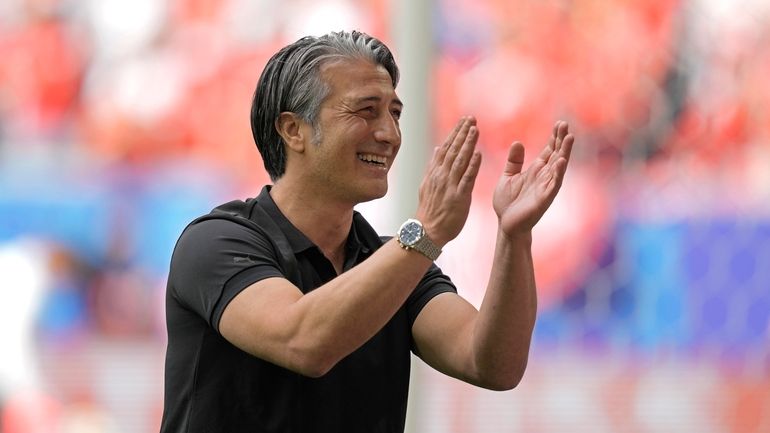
(368, 110)
(396, 114)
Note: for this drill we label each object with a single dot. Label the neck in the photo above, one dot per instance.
(325, 222)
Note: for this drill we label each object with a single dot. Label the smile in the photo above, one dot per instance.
(376, 160)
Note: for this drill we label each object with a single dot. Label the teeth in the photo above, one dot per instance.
(368, 157)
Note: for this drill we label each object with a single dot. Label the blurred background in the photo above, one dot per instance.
(121, 121)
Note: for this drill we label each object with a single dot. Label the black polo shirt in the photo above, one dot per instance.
(212, 386)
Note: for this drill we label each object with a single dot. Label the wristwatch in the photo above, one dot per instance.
(412, 236)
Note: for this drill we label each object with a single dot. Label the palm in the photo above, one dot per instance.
(522, 197)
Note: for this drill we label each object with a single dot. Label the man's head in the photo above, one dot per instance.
(292, 82)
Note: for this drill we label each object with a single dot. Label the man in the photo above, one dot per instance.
(288, 313)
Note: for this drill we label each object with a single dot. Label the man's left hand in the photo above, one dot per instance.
(522, 197)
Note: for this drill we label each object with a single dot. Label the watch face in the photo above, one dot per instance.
(410, 233)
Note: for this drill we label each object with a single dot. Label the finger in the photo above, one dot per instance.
(547, 150)
(561, 131)
(458, 142)
(442, 150)
(515, 160)
(559, 166)
(557, 177)
(566, 147)
(463, 158)
(558, 144)
(468, 180)
(552, 158)
(552, 144)
(555, 135)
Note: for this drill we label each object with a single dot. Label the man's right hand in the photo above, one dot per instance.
(445, 192)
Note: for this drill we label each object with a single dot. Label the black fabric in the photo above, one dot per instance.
(212, 386)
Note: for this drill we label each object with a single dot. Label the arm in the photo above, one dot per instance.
(490, 347)
(309, 334)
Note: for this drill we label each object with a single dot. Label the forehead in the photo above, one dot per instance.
(357, 78)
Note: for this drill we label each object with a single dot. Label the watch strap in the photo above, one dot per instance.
(427, 248)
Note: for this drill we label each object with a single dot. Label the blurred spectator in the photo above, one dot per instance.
(24, 278)
(121, 294)
(40, 72)
(63, 316)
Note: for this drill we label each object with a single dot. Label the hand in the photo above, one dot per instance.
(521, 198)
(445, 192)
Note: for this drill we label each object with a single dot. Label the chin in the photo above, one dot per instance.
(373, 194)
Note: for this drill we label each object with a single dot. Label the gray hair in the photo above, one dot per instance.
(291, 81)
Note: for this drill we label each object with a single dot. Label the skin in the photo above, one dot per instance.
(273, 320)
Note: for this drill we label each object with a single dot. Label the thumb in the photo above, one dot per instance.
(515, 159)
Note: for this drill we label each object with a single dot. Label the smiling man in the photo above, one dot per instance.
(288, 313)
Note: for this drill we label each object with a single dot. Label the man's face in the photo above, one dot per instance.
(359, 132)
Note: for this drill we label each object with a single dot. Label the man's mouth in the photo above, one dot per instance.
(376, 160)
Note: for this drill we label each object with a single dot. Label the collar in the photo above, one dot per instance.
(299, 242)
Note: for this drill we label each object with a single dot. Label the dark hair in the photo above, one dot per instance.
(291, 81)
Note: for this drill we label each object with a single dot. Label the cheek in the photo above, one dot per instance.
(352, 129)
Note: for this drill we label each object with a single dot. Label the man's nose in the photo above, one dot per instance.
(387, 130)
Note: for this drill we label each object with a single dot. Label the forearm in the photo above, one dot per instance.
(503, 329)
(340, 316)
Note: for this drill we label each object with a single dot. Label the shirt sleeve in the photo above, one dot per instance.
(216, 259)
(433, 283)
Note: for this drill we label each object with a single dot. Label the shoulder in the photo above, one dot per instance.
(205, 233)
(212, 251)
(223, 222)
(212, 242)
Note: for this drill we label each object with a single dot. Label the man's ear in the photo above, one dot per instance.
(289, 127)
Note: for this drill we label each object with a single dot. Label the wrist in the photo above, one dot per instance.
(413, 236)
(432, 230)
(523, 237)
(434, 234)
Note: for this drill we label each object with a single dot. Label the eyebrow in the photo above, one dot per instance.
(377, 99)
